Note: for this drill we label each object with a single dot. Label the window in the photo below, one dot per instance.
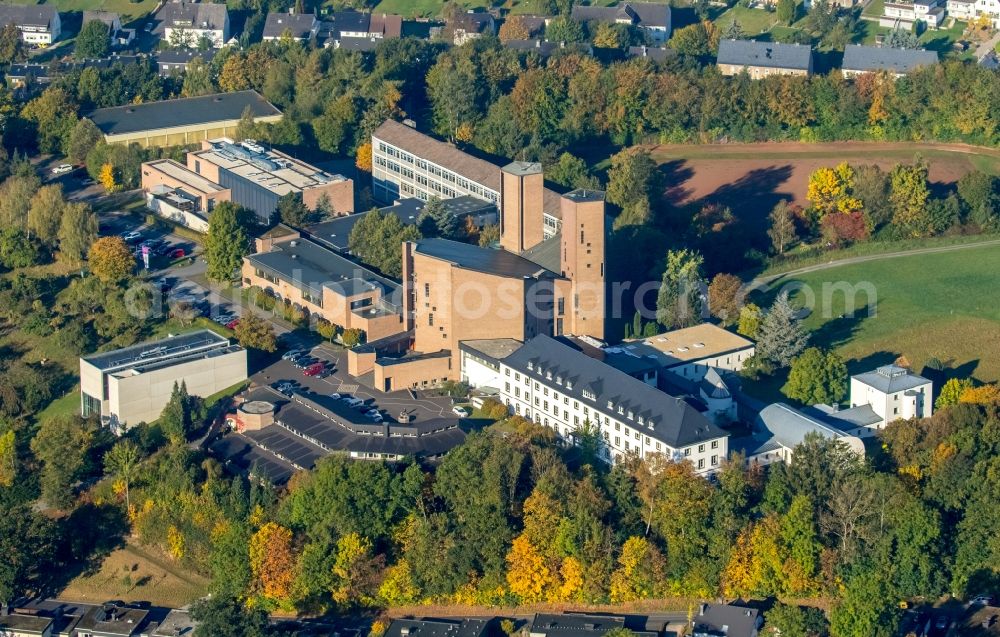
(715, 460)
(701, 448)
(687, 452)
(618, 441)
(701, 463)
(506, 387)
(715, 444)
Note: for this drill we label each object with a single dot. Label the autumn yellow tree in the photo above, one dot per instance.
(572, 574)
(528, 576)
(110, 259)
(514, 28)
(363, 158)
(985, 395)
(830, 191)
(640, 572)
(397, 587)
(8, 458)
(108, 178)
(272, 562)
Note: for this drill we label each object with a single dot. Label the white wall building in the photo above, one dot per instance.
(557, 386)
(971, 9)
(186, 24)
(690, 352)
(39, 24)
(133, 384)
(893, 393)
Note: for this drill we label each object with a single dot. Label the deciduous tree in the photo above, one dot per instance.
(816, 377)
(77, 231)
(227, 242)
(272, 561)
(93, 41)
(782, 231)
(679, 300)
(110, 259)
(725, 298)
(253, 331)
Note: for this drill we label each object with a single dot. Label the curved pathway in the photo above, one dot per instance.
(770, 278)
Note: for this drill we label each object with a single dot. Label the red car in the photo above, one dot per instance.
(232, 324)
(314, 370)
(177, 253)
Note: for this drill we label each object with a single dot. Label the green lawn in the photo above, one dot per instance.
(753, 21)
(128, 10)
(926, 306)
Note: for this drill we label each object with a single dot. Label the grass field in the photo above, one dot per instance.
(752, 21)
(127, 9)
(939, 306)
(137, 573)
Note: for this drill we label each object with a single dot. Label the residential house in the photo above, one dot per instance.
(385, 26)
(116, 35)
(39, 75)
(544, 48)
(860, 59)
(726, 620)
(174, 61)
(969, 10)
(653, 19)
(297, 26)
(656, 54)
(470, 25)
(432, 627)
(892, 393)
(187, 24)
(39, 24)
(905, 15)
(761, 59)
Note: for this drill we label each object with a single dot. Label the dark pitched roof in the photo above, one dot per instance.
(183, 56)
(430, 627)
(657, 54)
(33, 15)
(766, 54)
(180, 112)
(547, 254)
(543, 48)
(573, 624)
(300, 25)
(470, 257)
(641, 14)
(47, 71)
(107, 17)
(875, 58)
(674, 422)
(352, 21)
(335, 232)
(312, 267)
(360, 45)
(191, 14)
(472, 21)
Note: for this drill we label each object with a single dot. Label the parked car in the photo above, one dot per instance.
(305, 361)
(335, 396)
(176, 253)
(461, 412)
(292, 354)
(981, 600)
(131, 236)
(352, 401)
(233, 323)
(62, 168)
(375, 415)
(313, 370)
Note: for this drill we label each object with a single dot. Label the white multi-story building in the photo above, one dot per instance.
(893, 393)
(972, 9)
(39, 24)
(559, 387)
(407, 163)
(187, 24)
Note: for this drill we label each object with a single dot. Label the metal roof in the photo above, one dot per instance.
(890, 379)
(189, 111)
(470, 257)
(766, 54)
(150, 352)
(34, 15)
(300, 25)
(642, 14)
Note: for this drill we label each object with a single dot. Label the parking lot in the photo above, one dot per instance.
(419, 405)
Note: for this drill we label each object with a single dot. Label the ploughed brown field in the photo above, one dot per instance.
(757, 176)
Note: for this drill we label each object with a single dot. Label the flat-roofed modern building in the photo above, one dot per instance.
(552, 384)
(179, 194)
(761, 59)
(258, 177)
(181, 121)
(860, 59)
(324, 283)
(407, 163)
(131, 385)
(692, 351)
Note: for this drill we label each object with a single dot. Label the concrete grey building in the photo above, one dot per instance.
(131, 385)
